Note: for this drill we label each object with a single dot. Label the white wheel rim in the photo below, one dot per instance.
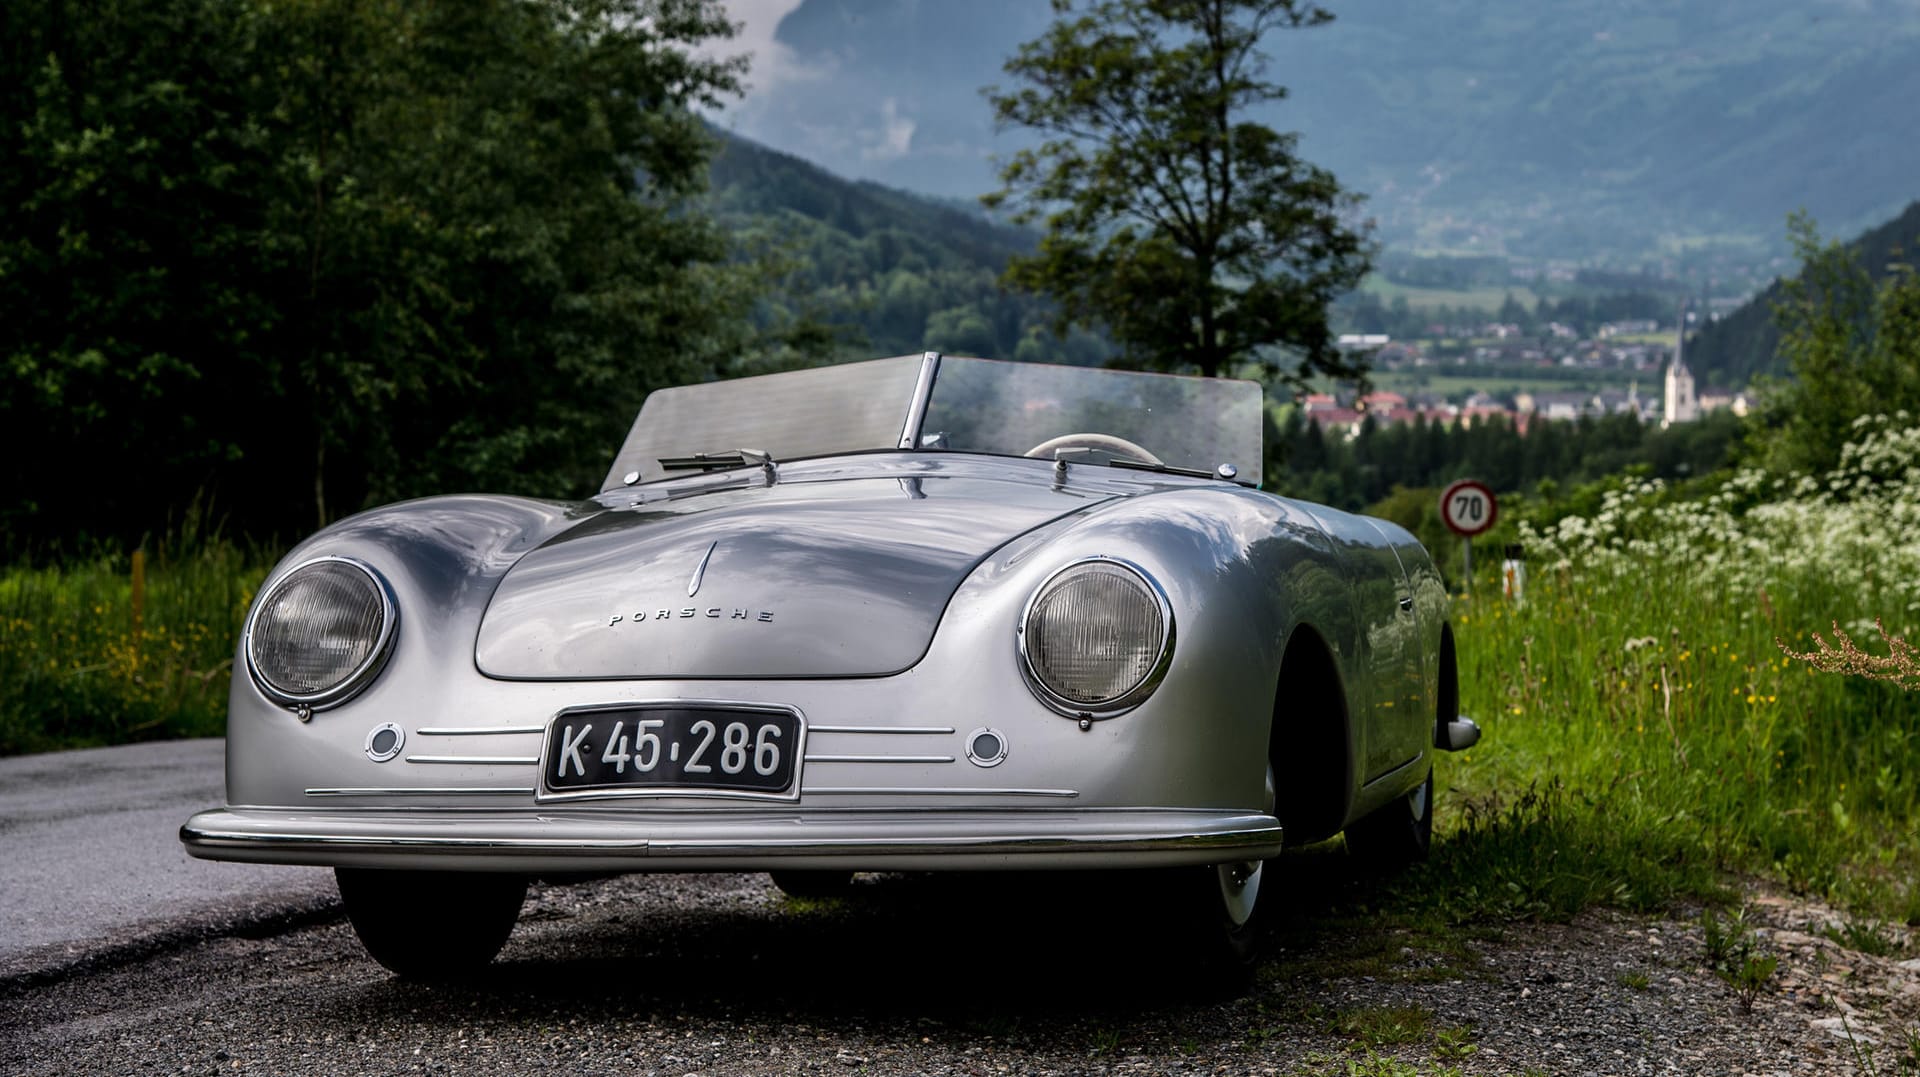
(1240, 880)
(1240, 889)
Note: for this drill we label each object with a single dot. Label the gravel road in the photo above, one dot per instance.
(718, 974)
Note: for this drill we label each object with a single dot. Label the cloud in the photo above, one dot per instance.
(894, 137)
(773, 64)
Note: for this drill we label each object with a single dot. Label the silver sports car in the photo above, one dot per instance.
(921, 613)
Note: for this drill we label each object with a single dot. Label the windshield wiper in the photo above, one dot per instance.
(719, 461)
(1168, 469)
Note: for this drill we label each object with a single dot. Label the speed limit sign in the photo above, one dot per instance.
(1468, 508)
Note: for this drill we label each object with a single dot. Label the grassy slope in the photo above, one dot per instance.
(1644, 728)
(1488, 298)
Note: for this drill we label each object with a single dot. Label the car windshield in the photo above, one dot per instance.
(976, 405)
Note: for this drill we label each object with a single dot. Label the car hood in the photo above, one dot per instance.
(845, 577)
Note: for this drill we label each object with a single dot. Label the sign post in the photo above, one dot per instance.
(1468, 508)
(1513, 575)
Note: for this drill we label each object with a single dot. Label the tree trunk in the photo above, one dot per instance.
(319, 483)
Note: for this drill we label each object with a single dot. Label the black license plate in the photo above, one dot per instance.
(671, 748)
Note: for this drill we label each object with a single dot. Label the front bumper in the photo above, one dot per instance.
(745, 840)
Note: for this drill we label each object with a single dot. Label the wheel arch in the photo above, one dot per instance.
(1310, 745)
(1446, 697)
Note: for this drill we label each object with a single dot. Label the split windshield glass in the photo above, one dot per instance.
(1193, 424)
(978, 405)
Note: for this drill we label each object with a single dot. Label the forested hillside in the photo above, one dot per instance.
(893, 272)
(1746, 342)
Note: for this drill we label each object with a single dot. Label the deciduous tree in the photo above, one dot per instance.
(304, 256)
(1198, 238)
(1852, 344)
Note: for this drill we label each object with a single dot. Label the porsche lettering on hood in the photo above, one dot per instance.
(763, 616)
(840, 578)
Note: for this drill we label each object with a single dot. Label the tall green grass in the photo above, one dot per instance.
(1639, 694)
(76, 670)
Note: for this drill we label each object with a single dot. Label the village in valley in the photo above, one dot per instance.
(1639, 365)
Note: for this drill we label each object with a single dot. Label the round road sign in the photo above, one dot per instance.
(1468, 508)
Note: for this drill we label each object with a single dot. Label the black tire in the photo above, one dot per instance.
(431, 925)
(1397, 835)
(1224, 907)
(1232, 925)
(1211, 949)
(799, 883)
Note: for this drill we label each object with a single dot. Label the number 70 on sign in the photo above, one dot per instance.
(1468, 508)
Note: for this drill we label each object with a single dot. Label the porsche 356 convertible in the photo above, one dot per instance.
(920, 613)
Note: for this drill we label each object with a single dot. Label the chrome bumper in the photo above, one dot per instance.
(859, 840)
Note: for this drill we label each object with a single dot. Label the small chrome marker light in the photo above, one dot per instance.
(384, 741)
(321, 634)
(1096, 638)
(986, 747)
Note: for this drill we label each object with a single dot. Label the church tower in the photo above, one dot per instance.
(1681, 404)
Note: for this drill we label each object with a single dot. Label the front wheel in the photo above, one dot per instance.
(431, 925)
(1397, 835)
(1230, 913)
(1227, 914)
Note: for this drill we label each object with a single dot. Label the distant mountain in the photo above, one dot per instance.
(1744, 343)
(898, 272)
(1475, 125)
(752, 180)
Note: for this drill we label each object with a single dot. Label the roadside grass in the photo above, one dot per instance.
(1645, 735)
(1371, 1064)
(80, 670)
(1385, 1026)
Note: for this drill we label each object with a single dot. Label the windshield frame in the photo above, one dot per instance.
(639, 460)
(1217, 401)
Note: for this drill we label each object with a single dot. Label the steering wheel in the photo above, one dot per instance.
(1106, 442)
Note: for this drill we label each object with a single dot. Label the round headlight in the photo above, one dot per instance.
(321, 633)
(1096, 638)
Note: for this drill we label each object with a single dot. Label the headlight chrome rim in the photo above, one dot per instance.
(1131, 697)
(361, 675)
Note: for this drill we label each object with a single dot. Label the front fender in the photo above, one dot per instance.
(1241, 571)
(443, 557)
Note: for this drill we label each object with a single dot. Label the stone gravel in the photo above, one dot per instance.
(720, 974)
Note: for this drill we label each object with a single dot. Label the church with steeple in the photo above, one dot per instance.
(1681, 405)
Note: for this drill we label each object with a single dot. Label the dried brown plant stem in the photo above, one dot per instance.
(1900, 665)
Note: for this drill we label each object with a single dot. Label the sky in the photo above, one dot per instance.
(848, 106)
(775, 67)
(759, 18)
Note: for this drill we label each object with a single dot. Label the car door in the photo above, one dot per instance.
(1399, 725)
